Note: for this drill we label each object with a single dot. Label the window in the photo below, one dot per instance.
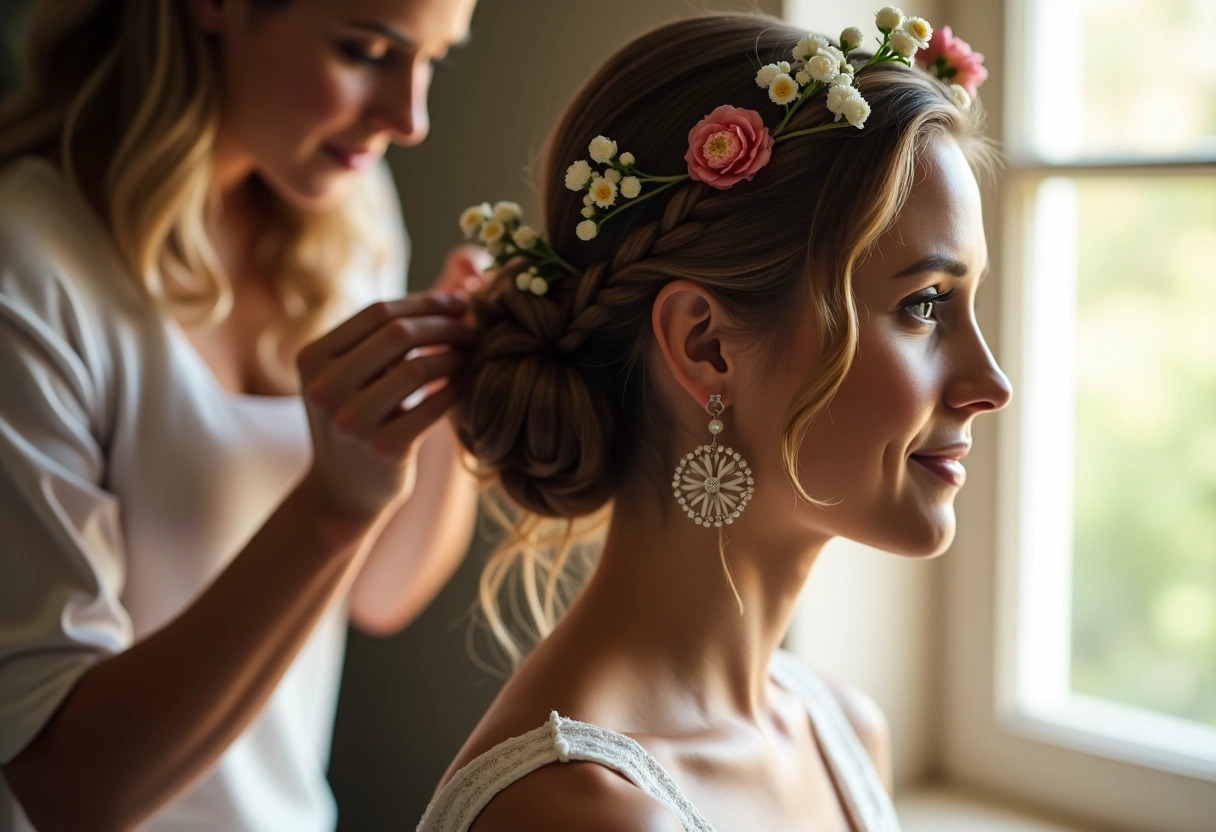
(1102, 655)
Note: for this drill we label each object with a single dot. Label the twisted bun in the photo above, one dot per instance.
(530, 412)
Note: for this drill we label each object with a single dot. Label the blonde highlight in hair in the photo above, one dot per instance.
(558, 407)
(128, 93)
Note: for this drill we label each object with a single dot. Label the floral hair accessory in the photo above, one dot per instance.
(951, 59)
(501, 230)
(731, 144)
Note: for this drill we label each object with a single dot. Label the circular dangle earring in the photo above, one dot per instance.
(713, 484)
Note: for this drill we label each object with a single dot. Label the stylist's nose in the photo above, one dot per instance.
(400, 105)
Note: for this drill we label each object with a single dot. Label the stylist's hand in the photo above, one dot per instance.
(464, 270)
(354, 381)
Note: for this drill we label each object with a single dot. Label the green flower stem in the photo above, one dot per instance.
(832, 125)
(671, 180)
(811, 89)
(646, 177)
(551, 257)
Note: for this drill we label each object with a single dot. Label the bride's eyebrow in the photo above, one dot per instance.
(935, 263)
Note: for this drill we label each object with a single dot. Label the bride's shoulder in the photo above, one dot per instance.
(575, 795)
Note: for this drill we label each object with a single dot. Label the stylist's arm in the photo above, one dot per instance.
(132, 733)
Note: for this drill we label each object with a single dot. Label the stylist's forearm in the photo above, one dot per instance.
(423, 544)
(141, 725)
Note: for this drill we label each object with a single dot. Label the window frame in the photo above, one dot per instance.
(990, 738)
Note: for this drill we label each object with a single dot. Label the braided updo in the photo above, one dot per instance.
(558, 405)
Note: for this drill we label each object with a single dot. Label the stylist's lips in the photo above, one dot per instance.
(946, 462)
(352, 159)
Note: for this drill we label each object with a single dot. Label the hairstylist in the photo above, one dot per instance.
(210, 458)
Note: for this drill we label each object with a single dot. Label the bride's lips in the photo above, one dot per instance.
(945, 462)
(351, 158)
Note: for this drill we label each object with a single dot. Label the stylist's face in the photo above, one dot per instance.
(316, 90)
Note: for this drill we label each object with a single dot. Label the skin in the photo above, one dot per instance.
(699, 697)
(384, 512)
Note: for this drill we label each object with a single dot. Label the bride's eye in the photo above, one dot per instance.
(921, 305)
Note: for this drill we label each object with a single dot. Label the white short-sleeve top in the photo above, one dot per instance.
(129, 477)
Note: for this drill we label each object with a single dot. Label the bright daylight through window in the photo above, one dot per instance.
(1115, 486)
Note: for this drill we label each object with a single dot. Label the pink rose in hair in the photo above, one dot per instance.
(952, 60)
(728, 146)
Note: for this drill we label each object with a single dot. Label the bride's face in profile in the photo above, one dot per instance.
(889, 451)
(316, 90)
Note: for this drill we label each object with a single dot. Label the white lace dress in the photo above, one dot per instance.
(866, 801)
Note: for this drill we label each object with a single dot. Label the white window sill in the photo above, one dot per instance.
(942, 808)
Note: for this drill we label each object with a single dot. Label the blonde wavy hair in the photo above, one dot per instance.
(126, 92)
(559, 408)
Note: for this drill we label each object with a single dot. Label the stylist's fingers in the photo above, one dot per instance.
(382, 399)
(399, 433)
(341, 378)
(346, 335)
(464, 269)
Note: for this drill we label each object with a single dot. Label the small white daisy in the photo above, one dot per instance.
(783, 90)
(631, 186)
(506, 211)
(472, 218)
(626, 159)
(851, 38)
(919, 29)
(603, 192)
(538, 286)
(602, 149)
(764, 78)
(492, 231)
(524, 237)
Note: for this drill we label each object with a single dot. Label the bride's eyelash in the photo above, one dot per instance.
(931, 297)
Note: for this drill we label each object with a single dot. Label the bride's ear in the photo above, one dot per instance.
(688, 323)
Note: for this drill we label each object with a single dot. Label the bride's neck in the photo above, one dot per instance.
(661, 596)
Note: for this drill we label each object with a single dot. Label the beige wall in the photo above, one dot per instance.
(408, 702)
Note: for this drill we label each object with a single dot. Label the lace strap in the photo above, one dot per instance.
(559, 740)
(865, 798)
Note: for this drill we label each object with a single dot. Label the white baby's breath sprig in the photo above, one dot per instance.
(578, 175)
(808, 47)
(602, 149)
(505, 238)
(586, 230)
(902, 44)
(888, 18)
(766, 74)
(960, 95)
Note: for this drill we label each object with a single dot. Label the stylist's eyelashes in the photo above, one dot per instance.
(361, 53)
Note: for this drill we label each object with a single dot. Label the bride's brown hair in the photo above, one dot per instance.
(559, 407)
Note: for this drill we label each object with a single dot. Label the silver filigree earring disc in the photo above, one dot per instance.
(713, 484)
